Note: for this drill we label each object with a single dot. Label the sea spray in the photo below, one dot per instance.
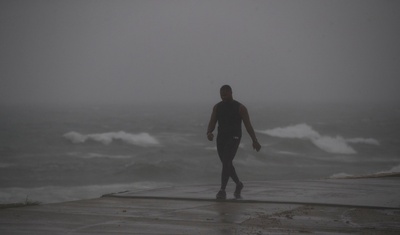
(141, 139)
(338, 144)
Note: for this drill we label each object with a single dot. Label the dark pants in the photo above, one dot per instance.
(227, 148)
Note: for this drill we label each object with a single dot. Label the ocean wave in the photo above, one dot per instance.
(333, 145)
(299, 131)
(395, 169)
(328, 144)
(141, 139)
(393, 172)
(340, 175)
(98, 155)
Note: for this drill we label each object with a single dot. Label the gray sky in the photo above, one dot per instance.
(170, 51)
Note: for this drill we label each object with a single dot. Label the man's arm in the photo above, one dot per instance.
(246, 120)
(211, 124)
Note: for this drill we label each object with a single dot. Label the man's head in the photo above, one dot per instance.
(226, 93)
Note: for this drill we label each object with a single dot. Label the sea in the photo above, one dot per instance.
(56, 153)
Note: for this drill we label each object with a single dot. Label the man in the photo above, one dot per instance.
(229, 114)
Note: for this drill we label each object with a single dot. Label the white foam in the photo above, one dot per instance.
(394, 171)
(141, 139)
(75, 137)
(300, 131)
(97, 155)
(333, 145)
(340, 176)
(328, 144)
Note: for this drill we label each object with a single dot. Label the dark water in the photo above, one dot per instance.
(51, 154)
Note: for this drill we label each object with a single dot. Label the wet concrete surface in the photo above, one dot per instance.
(275, 207)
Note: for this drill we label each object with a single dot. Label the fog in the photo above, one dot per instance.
(167, 51)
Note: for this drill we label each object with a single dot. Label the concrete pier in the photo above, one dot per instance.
(351, 206)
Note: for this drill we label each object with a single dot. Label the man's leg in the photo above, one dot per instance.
(231, 153)
(226, 151)
(228, 168)
(221, 147)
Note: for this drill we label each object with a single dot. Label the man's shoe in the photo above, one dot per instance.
(221, 195)
(238, 190)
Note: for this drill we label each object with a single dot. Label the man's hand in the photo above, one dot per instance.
(210, 136)
(256, 146)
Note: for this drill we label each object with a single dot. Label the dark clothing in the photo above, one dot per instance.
(228, 139)
(227, 148)
(229, 120)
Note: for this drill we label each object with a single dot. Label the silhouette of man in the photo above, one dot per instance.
(229, 114)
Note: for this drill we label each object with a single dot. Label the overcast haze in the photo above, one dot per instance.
(170, 51)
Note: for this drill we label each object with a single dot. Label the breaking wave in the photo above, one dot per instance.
(141, 139)
(328, 144)
(97, 155)
(394, 172)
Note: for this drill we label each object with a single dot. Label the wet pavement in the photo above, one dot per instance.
(367, 206)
